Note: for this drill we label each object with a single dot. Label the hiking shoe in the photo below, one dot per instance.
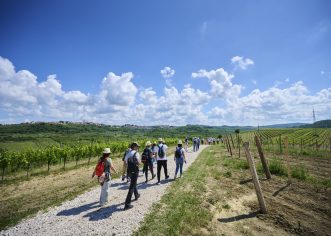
(137, 197)
(167, 177)
(127, 207)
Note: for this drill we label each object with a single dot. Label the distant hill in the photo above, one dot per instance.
(318, 124)
(288, 125)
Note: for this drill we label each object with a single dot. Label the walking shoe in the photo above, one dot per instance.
(137, 197)
(158, 183)
(153, 176)
(127, 207)
(123, 177)
(167, 177)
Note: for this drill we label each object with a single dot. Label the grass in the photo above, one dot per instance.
(299, 172)
(276, 167)
(181, 210)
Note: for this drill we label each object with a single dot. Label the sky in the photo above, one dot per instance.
(171, 62)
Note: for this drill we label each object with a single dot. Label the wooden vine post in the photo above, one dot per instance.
(232, 141)
(287, 160)
(263, 159)
(255, 178)
(330, 143)
(226, 144)
(229, 145)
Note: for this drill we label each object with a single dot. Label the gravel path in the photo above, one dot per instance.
(82, 216)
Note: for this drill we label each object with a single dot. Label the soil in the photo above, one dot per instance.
(299, 208)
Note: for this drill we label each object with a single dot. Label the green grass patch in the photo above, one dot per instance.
(181, 210)
(233, 163)
(276, 167)
(299, 172)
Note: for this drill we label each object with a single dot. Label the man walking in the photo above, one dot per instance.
(132, 161)
(162, 160)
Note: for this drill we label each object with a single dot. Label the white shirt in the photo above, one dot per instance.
(164, 147)
(131, 154)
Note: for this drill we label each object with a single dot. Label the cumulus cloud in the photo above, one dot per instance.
(241, 62)
(220, 82)
(167, 72)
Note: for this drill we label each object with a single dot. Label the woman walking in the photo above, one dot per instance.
(179, 158)
(147, 159)
(102, 170)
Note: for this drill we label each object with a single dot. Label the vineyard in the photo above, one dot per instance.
(11, 162)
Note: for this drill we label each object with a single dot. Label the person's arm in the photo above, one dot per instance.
(138, 158)
(112, 168)
(184, 157)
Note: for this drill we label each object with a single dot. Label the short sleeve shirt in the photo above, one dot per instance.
(131, 154)
(165, 147)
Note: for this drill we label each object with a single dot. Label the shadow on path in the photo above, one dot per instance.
(280, 190)
(78, 210)
(240, 217)
(104, 213)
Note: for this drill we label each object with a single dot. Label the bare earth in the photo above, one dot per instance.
(83, 216)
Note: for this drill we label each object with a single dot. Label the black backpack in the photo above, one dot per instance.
(178, 153)
(133, 164)
(160, 152)
(146, 155)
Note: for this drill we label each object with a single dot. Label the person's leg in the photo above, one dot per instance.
(165, 169)
(159, 165)
(132, 187)
(181, 167)
(177, 167)
(150, 165)
(145, 169)
(104, 193)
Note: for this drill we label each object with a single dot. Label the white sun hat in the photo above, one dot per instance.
(106, 151)
(148, 143)
(160, 140)
(180, 141)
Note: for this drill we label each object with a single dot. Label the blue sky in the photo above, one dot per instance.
(263, 61)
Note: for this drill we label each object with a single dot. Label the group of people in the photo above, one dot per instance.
(131, 161)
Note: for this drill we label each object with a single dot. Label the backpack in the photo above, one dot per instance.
(146, 155)
(133, 165)
(178, 153)
(160, 152)
(100, 168)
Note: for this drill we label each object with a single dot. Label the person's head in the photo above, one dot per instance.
(148, 144)
(134, 146)
(154, 143)
(106, 153)
(180, 143)
(160, 140)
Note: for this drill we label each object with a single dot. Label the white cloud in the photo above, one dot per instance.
(254, 81)
(220, 82)
(322, 72)
(203, 27)
(23, 97)
(167, 72)
(241, 62)
(118, 90)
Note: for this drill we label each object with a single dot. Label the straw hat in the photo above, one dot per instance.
(160, 140)
(148, 143)
(106, 151)
(180, 141)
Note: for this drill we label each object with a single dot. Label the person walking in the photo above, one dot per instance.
(162, 160)
(147, 159)
(102, 170)
(179, 158)
(132, 160)
(186, 144)
(125, 168)
(194, 144)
